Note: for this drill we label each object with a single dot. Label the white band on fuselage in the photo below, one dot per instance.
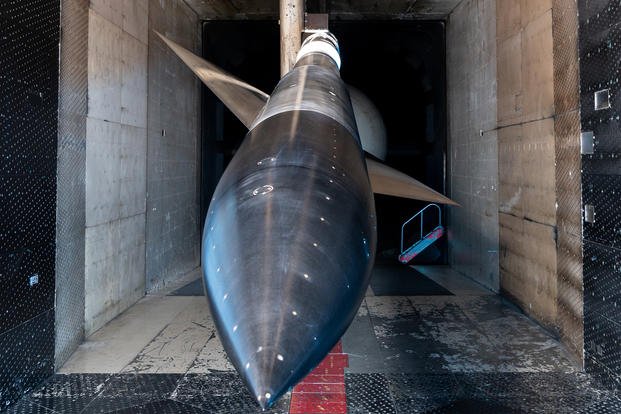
(320, 46)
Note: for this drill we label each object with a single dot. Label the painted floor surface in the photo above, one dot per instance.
(467, 351)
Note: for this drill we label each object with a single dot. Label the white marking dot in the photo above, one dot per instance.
(279, 357)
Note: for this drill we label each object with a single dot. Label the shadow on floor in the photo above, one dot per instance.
(387, 279)
(396, 279)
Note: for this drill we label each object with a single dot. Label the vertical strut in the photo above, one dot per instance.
(291, 27)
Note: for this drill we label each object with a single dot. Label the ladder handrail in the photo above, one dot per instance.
(420, 213)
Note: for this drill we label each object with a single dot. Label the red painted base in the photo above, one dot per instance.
(323, 390)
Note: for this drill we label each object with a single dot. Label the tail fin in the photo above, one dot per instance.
(386, 180)
(244, 100)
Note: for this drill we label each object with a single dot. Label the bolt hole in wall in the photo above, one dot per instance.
(399, 65)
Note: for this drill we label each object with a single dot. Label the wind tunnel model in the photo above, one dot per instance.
(289, 239)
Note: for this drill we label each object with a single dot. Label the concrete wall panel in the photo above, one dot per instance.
(528, 266)
(134, 19)
(473, 141)
(114, 268)
(115, 171)
(537, 67)
(538, 172)
(133, 81)
(109, 10)
(508, 19)
(116, 153)
(173, 223)
(527, 183)
(132, 148)
(510, 192)
(539, 156)
(102, 169)
(510, 97)
(104, 68)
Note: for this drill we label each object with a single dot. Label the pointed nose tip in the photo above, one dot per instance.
(264, 397)
(269, 377)
(265, 402)
(262, 394)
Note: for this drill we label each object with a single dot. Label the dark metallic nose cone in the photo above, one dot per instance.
(287, 252)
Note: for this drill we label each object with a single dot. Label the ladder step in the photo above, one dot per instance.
(421, 245)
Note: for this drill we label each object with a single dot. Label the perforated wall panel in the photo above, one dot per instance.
(70, 216)
(568, 187)
(600, 102)
(29, 38)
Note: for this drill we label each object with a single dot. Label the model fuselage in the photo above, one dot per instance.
(290, 235)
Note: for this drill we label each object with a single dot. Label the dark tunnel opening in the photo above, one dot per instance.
(399, 65)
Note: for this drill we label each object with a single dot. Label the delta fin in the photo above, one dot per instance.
(244, 100)
(388, 181)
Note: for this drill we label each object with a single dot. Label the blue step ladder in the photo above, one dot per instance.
(424, 241)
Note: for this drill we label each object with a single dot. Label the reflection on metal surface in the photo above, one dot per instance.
(262, 190)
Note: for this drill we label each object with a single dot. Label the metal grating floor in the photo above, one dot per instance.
(470, 352)
(373, 393)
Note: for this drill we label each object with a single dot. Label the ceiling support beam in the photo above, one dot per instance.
(291, 27)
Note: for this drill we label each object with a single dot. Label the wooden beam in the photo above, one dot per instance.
(291, 26)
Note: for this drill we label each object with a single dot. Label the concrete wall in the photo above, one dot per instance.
(526, 154)
(142, 134)
(514, 155)
(539, 186)
(473, 141)
(173, 227)
(116, 139)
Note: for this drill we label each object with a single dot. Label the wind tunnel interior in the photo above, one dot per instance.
(398, 65)
(111, 149)
(481, 101)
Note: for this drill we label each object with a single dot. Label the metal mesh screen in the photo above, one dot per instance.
(600, 61)
(70, 215)
(29, 34)
(568, 191)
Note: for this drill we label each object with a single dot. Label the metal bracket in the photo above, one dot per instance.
(589, 213)
(316, 22)
(602, 99)
(587, 143)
